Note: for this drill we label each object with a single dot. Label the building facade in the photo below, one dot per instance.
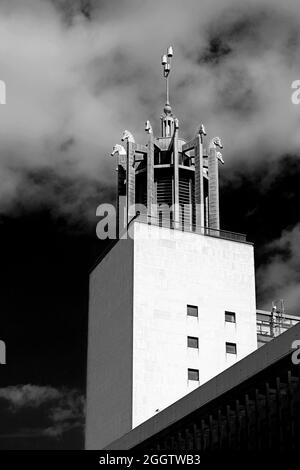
(252, 409)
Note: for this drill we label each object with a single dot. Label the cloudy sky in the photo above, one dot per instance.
(77, 74)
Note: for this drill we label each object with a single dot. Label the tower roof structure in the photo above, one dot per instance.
(167, 178)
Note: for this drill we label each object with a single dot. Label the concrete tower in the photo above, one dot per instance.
(172, 305)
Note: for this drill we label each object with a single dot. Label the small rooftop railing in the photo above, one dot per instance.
(269, 328)
(184, 226)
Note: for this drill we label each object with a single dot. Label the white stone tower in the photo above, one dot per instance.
(174, 304)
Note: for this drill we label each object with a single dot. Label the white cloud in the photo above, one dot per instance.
(72, 87)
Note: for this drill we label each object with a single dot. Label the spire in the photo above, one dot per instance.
(167, 118)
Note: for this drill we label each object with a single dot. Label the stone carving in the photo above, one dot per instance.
(127, 136)
(148, 127)
(118, 149)
(216, 142)
(220, 157)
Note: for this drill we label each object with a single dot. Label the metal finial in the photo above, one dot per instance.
(202, 130)
(166, 63)
(170, 51)
(148, 127)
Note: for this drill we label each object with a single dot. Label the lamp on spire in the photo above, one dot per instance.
(168, 123)
(166, 63)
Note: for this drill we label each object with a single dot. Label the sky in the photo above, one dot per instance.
(77, 74)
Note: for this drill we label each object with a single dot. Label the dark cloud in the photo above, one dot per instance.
(279, 277)
(216, 51)
(264, 203)
(39, 412)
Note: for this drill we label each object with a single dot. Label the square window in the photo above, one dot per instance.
(231, 348)
(192, 311)
(193, 342)
(193, 374)
(230, 317)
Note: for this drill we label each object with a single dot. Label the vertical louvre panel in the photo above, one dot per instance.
(141, 191)
(164, 195)
(193, 202)
(185, 201)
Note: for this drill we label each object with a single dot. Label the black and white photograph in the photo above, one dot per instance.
(150, 232)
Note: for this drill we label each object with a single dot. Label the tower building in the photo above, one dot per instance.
(173, 304)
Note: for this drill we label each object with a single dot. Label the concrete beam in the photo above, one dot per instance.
(213, 190)
(176, 177)
(199, 184)
(189, 145)
(150, 176)
(140, 148)
(130, 180)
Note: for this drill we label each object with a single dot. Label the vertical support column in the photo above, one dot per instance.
(213, 190)
(247, 423)
(257, 421)
(268, 415)
(130, 181)
(291, 414)
(176, 177)
(118, 196)
(228, 426)
(199, 191)
(279, 413)
(203, 440)
(211, 432)
(197, 437)
(150, 177)
(237, 425)
(220, 434)
(206, 212)
(121, 196)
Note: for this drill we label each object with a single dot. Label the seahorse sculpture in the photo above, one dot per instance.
(215, 142)
(220, 157)
(148, 127)
(127, 136)
(202, 130)
(119, 149)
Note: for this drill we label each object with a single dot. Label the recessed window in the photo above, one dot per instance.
(192, 342)
(193, 374)
(231, 348)
(192, 311)
(230, 317)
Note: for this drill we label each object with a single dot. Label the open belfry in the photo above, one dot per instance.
(172, 305)
(173, 181)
